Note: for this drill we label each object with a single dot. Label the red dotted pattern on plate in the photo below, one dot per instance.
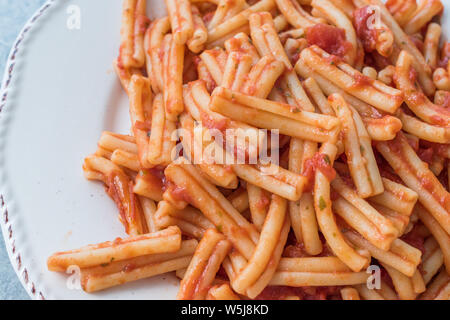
(17, 260)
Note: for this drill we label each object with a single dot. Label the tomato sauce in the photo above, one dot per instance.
(361, 80)
(154, 177)
(386, 278)
(389, 175)
(120, 190)
(178, 193)
(360, 21)
(429, 184)
(221, 274)
(415, 239)
(439, 149)
(320, 162)
(129, 267)
(295, 249)
(348, 181)
(329, 38)
(380, 61)
(426, 155)
(427, 180)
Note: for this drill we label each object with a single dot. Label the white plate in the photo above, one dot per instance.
(60, 93)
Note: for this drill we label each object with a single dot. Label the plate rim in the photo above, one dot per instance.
(7, 227)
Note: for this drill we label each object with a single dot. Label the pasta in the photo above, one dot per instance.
(279, 149)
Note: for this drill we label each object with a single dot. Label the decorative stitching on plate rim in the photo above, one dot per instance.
(16, 259)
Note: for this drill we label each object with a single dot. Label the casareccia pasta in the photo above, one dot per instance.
(279, 149)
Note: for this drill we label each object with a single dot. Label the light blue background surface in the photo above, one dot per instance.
(13, 15)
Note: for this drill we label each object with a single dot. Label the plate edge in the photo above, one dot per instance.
(6, 225)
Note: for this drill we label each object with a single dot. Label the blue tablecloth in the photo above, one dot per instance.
(13, 15)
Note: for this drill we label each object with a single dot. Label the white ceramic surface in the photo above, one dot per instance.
(60, 93)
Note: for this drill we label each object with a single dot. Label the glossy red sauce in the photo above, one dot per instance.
(386, 278)
(317, 162)
(426, 155)
(439, 149)
(295, 249)
(370, 61)
(329, 38)
(380, 61)
(333, 195)
(429, 184)
(154, 177)
(157, 172)
(119, 187)
(391, 176)
(427, 180)
(361, 80)
(384, 168)
(366, 35)
(415, 239)
(136, 210)
(221, 274)
(129, 267)
(348, 181)
(177, 193)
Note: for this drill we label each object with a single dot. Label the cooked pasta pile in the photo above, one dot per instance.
(279, 149)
